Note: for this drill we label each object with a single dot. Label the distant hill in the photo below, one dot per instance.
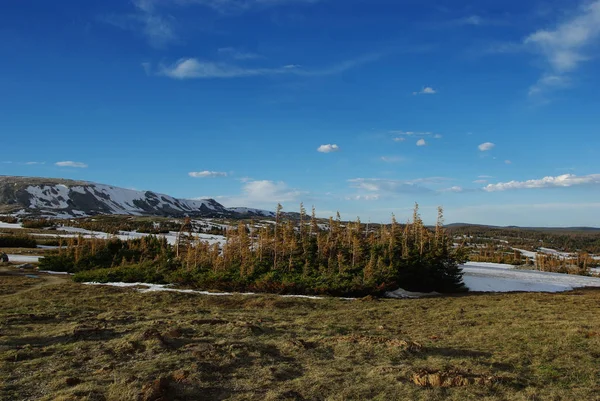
(54, 197)
(554, 229)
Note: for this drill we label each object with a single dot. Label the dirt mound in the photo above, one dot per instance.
(451, 378)
(374, 340)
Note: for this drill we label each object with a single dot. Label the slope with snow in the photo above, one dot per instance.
(68, 198)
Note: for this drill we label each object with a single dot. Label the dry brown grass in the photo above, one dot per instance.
(72, 342)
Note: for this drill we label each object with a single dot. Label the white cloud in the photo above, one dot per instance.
(565, 46)
(480, 182)
(421, 142)
(270, 191)
(207, 174)
(485, 176)
(428, 90)
(34, 163)
(484, 147)
(69, 163)
(399, 139)
(262, 193)
(188, 68)
(437, 136)
(507, 162)
(561, 181)
(328, 148)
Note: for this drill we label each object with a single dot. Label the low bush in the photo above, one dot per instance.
(17, 241)
(138, 273)
(38, 223)
(9, 219)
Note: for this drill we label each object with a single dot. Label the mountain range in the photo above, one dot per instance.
(62, 198)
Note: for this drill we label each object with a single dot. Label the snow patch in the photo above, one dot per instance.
(24, 258)
(10, 225)
(483, 277)
(55, 273)
(146, 287)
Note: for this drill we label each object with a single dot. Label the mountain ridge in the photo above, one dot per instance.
(62, 198)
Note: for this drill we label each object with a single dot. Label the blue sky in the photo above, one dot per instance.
(487, 108)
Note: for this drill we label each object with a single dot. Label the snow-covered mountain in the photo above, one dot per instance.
(67, 198)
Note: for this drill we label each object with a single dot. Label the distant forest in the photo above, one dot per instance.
(564, 240)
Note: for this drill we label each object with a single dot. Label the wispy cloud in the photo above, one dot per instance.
(147, 21)
(428, 90)
(484, 147)
(190, 68)
(207, 174)
(329, 148)
(455, 189)
(69, 163)
(476, 20)
(362, 197)
(565, 46)
(383, 186)
(561, 181)
(392, 159)
(152, 19)
(239, 6)
(400, 136)
(471, 20)
(33, 163)
(389, 186)
(421, 142)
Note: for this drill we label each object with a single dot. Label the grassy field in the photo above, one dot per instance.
(65, 341)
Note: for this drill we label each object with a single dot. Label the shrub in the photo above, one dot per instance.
(137, 273)
(9, 219)
(17, 241)
(38, 223)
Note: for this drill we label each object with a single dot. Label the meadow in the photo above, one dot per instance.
(61, 340)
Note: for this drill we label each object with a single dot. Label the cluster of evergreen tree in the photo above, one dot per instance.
(17, 241)
(82, 254)
(291, 256)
